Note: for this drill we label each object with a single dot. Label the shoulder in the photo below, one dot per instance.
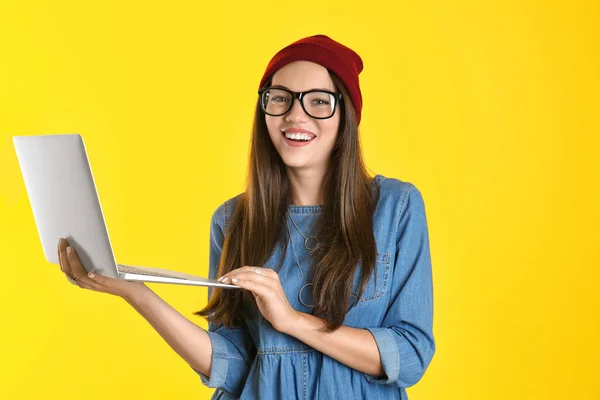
(398, 198)
(223, 212)
(400, 217)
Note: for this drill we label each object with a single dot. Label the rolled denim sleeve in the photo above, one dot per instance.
(233, 348)
(405, 338)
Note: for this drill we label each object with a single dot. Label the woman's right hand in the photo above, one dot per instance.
(71, 266)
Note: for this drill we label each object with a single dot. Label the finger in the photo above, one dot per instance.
(265, 272)
(60, 262)
(62, 258)
(261, 271)
(269, 283)
(78, 271)
(232, 274)
(76, 266)
(253, 276)
(98, 283)
(106, 283)
(256, 288)
(227, 276)
(241, 269)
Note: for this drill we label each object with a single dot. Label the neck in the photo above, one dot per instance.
(306, 186)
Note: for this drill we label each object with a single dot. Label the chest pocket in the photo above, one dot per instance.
(373, 291)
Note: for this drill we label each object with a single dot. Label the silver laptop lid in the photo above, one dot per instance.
(62, 193)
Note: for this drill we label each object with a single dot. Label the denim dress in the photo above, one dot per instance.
(258, 362)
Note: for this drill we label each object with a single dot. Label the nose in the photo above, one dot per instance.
(296, 113)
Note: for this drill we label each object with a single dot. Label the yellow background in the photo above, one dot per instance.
(490, 108)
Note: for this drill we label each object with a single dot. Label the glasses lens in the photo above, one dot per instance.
(276, 102)
(319, 104)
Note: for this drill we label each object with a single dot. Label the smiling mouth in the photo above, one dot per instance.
(298, 137)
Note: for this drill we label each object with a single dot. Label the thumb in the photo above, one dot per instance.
(96, 278)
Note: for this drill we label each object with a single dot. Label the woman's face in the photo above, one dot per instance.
(301, 76)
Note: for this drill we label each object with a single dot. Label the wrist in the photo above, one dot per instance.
(294, 322)
(136, 296)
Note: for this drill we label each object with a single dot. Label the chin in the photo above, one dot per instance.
(294, 163)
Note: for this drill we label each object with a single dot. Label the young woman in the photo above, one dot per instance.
(334, 268)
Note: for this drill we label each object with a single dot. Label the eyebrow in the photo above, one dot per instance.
(285, 87)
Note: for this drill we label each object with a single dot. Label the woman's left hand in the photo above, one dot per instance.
(265, 286)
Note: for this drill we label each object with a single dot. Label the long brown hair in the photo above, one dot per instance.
(344, 227)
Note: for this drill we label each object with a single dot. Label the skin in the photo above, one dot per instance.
(306, 167)
(187, 339)
(71, 266)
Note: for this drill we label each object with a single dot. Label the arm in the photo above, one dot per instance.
(233, 349)
(221, 356)
(400, 350)
(353, 347)
(188, 340)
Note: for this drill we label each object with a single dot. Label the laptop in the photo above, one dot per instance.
(65, 204)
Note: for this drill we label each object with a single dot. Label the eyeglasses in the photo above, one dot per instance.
(318, 104)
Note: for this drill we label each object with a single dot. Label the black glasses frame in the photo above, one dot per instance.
(298, 95)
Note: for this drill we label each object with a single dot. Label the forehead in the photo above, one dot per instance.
(303, 75)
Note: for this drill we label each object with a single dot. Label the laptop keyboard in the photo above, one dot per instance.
(144, 271)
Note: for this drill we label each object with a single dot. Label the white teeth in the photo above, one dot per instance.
(298, 136)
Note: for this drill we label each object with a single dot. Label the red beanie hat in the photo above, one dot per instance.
(320, 49)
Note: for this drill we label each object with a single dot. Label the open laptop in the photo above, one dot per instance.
(63, 196)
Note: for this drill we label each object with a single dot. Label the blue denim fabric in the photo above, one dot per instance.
(259, 362)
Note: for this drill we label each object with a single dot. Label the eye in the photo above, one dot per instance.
(279, 99)
(320, 102)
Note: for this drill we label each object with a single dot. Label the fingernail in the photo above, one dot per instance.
(69, 249)
(59, 241)
(234, 280)
(91, 275)
(225, 279)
